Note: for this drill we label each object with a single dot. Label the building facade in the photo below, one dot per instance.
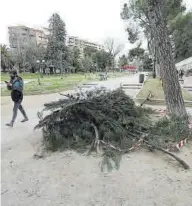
(21, 36)
(185, 65)
(42, 36)
(81, 44)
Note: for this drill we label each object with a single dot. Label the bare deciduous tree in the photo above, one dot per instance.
(113, 49)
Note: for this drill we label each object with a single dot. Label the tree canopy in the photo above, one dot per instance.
(103, 59)
(181, 30)
(57, 52)
(147, 63)
(136, 53)
(123, 60)
(153, 18)
(178, 20)
(6, 60)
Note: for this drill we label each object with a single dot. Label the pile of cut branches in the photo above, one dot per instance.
(105, 121)
(82, 118)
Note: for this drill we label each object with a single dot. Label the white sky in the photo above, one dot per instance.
(94, 20)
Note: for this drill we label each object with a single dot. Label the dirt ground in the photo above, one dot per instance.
(144, 178)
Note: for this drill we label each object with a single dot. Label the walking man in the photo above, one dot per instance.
(182, 74)
(16, 87)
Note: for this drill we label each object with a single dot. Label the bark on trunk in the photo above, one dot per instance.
(157, 71)
(171, 86)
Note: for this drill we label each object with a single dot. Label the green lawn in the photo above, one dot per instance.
(5, 77)
(154, 85)
(54, 83)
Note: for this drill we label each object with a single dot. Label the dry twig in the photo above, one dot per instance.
(148, 98)
(184, 164)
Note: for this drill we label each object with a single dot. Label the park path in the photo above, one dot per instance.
(112, 84)
(188, 84)
(34, 103)
(76, 180)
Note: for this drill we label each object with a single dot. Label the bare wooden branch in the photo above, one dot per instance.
(184, 164)
(148, 98)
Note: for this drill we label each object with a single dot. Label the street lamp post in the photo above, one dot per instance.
(43, 67)
(40, 63)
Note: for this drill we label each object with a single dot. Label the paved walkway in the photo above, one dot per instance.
(188, 81)
(188, 84)
(112, 84)
(34, 103)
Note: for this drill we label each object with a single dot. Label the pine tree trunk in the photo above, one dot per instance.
(172, 90)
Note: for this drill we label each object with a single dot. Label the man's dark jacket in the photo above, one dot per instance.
(16, 89)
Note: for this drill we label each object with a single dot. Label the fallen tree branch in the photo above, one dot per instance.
(148, 98)
(184, 164)
(96, 141)
(111, 146)
(67, 95)
(122, 151)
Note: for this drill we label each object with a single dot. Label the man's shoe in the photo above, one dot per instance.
(25, 120)
(9, 124)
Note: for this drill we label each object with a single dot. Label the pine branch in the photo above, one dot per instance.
(99, 120)
(184, 164)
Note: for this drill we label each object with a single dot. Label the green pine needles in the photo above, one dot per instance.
(107, 122)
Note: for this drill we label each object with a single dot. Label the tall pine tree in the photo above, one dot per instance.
(57, 52)
(154, 16)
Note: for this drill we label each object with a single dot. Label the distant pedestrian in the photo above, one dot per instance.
(181, 74)
(16, 86)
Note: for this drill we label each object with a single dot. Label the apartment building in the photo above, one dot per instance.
(81, 44)
(42, 36)
(20, 36)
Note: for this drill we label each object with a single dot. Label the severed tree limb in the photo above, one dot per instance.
(184, 164)
(110, 145)
(122, 151)
(96, 132)
(67, 95)
(148, 98)
(96, 142)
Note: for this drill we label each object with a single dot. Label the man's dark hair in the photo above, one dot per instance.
(14, 72)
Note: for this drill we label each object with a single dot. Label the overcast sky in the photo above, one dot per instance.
(94, 20)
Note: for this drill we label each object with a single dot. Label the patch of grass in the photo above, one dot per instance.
(6, 77)
(51, 84)
(155, 86)
(167, 131)
(54, 83)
